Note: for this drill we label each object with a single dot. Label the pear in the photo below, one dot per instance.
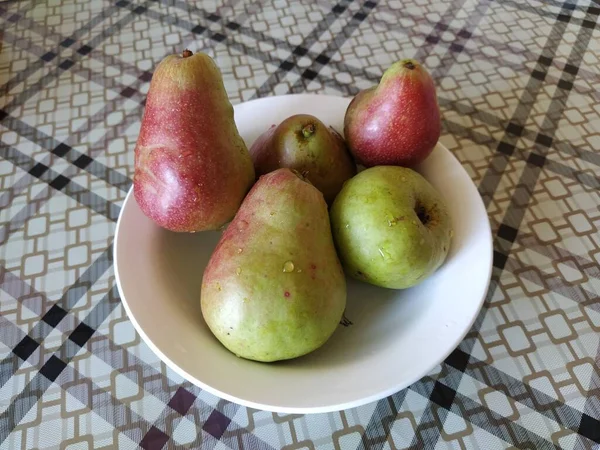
(304, 143)
(391, 227)
(192, 168)
(396, 122)
(274, 288)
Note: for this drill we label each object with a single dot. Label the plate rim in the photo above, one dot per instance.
(311, 409)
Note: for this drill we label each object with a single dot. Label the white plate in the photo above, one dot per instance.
(397, 336)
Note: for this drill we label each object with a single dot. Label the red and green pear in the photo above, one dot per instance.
(274, 288)
(192, 168)
(305, 144)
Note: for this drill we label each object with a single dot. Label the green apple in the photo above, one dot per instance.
(391, 227)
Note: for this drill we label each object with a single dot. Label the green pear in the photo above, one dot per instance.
(304, 143)
(274, 288)
(391, 227)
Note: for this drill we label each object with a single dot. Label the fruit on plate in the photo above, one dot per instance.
(274, 288)
(303, 143)
(391, 227)
(192, 168)
(396, 122)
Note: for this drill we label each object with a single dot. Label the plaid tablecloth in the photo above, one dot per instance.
(518, 87)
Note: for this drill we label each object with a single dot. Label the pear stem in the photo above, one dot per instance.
(298, 174)
(308, 130)
(187, 53)
(409, 65)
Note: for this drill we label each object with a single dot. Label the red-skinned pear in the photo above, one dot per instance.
(192, 168)
(274, 288)
(396, 122)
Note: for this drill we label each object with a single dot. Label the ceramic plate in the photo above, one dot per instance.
(396, 336)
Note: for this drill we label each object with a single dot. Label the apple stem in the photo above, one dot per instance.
(187, 53)
(422, 214)
(308, 130)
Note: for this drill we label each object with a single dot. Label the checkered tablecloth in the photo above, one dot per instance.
(519, 87)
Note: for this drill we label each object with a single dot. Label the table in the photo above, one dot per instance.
(518, 88)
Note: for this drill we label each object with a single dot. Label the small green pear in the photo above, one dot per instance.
(274, 288)
(391, 227)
